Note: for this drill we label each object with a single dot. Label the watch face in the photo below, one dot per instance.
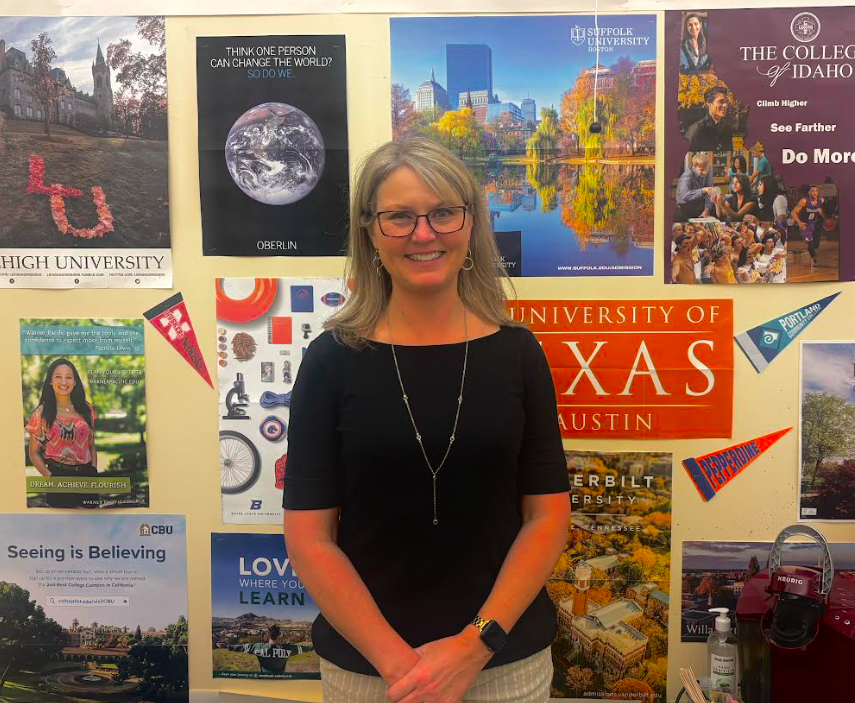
(494, 636)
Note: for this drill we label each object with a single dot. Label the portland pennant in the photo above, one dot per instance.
(763, 343)
(172, 320)
(711, 472)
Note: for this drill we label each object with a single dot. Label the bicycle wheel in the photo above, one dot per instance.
(240, 463)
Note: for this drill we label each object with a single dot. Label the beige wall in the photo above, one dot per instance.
(183, 410)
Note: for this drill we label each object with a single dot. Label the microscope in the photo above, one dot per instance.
(236, 408)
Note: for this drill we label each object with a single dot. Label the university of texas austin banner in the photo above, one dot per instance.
(639, 369)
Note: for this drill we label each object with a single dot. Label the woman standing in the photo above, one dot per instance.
(426, 496)
(62, 433)
(737, 166)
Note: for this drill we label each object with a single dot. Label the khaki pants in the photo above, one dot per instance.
(525, 681)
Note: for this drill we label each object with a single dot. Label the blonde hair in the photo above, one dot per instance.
(700, 160)
(481, 289)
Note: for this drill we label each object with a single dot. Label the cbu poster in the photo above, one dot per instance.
(261, 612)
(84, 414)
(94, 607)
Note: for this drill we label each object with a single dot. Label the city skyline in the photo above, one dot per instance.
(734, 556)
(419, 44)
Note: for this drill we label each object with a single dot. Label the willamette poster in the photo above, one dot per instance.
(261, 613)
(94, 608)
(758, 152)
(84, 418)
(637, 369)
(826, 432)
(83, 153)
(714, 574)
(273, 159)
(563, 199)
(264, 326)
(611, 585)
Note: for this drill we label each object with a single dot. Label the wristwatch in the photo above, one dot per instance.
(492, 634)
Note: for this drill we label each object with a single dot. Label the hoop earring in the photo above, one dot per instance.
(378, 263)
(470, 260)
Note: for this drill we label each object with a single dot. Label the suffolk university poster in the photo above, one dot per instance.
(273, 145)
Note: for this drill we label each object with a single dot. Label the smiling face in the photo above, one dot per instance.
(693, 27)
(718, 107)
(423, 261)
(62, 381)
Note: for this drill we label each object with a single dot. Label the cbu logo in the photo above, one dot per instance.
(255, 505)
(146, 530)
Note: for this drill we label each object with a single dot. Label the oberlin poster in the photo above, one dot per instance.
(826, 431)
(264, 326)
(84, 417)
(261, 613)
(563, 200)
(611, 585)
(94, 608)
(273, 154)
(83, 153)
(714, 574)
(758, 164)
(637, 369)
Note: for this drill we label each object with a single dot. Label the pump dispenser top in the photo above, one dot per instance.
(722, 622)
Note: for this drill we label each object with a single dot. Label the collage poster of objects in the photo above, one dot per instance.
(85, 193)
(273, 158)
(562, 200)
(611, 585)
(758, 167)
(264, 326)
(84, 392)
(95, 608)
(261, 613)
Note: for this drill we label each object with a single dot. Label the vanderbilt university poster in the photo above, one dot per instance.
(83, 153)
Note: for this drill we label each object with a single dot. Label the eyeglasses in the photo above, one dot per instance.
(402, 223)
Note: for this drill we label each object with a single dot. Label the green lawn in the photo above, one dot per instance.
(132, 172)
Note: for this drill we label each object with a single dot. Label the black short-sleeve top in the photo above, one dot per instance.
(351, 445)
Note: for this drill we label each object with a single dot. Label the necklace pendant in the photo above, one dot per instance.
(435, 521)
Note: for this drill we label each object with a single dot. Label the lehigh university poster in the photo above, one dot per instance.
(273, 162)
(83, 153)
(611, 585)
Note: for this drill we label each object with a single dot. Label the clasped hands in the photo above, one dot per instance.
(443, 672)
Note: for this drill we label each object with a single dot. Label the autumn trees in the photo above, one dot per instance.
(48, 89)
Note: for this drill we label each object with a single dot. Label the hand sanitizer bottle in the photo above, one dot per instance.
(722, 650)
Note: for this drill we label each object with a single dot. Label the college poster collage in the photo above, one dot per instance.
(757, 189)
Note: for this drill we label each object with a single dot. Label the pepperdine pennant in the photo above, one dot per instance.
(763, 343)
(711, 472)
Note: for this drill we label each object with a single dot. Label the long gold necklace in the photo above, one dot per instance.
(433, 472)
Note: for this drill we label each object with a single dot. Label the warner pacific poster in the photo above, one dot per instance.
(515, 98)
(264, 326)
(83, 153)
(273, 158)
(611, 585)
(84, 413)
(94, 608)
(261, 613)
(637, 369)
(826, 432)
(714, 574)
(758, 151)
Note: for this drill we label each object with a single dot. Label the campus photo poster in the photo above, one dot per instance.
(637, 369)
(826, 432)
(273, 149)
(264, 326)
(83, 153)
(611, 585)
(261, 613)
(562, 199)
(94, 608)
(758, 153)
(714, 575)
(84, 413)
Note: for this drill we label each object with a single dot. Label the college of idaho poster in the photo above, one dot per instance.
(93, 607)
(273, 150)
(611, 585)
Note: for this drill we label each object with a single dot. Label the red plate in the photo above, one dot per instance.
(249, 308)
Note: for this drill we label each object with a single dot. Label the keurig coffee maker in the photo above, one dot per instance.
(796, 629)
